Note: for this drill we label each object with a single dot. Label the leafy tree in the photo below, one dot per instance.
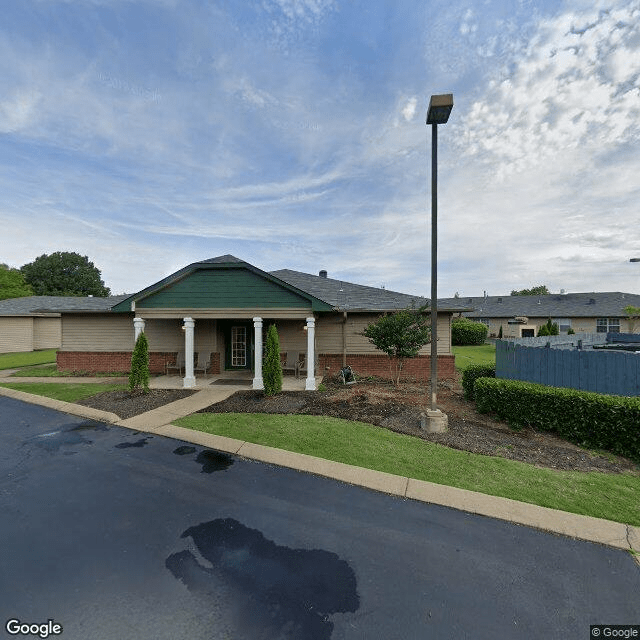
(467, 332)
(633, 315)
(64, 274)
(400, 335)
(272, 366)
(139, 375)
(540, 290)
(12, 284)
(549, 329)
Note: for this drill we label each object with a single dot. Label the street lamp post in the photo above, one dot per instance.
(439, 110)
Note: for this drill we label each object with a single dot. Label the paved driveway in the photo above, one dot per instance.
(118, 534)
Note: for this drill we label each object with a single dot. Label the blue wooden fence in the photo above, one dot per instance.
(612, 372)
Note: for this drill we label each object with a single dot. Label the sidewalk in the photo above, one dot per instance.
(158, 421)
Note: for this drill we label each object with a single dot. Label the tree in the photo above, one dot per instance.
(549, 329)
(64, 274)
(400, 335)
(540, 290)
(12, 284)
(139, 375)
(272, 366)
(633, 315)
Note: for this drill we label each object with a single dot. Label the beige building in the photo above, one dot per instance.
(213, 316)
(522, 316)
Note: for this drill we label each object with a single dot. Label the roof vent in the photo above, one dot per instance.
(323, 273)
(592, 300)
(499, 299)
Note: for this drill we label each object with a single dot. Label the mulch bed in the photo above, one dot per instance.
(397, 409)
(127, 405)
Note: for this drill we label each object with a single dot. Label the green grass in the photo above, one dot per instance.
(68, 392)
(51, 371)
(482, 354)
(610, 496)
(15, 360)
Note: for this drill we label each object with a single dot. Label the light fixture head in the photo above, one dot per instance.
(439, 108)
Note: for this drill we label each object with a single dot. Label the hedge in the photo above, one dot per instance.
(472, 373)
(588, 419)
(467, 332)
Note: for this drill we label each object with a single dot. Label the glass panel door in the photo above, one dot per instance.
(238, 346)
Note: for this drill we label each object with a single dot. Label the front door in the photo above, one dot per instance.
(238, 344)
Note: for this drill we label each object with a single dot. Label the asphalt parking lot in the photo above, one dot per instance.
(112, 533)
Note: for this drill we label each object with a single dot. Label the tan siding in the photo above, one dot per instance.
(16, 335)
(292, 335)
(47, 333)
(329, 338)
(97, 333)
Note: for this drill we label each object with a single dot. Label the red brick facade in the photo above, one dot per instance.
(119, 361)
(329, 364)
(373, 364)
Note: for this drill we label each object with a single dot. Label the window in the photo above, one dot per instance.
(564, 324)
(611, 325)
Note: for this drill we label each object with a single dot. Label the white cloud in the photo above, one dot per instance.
(19, 111)
(409, 109)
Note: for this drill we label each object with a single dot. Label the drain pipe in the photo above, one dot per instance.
(344, 339)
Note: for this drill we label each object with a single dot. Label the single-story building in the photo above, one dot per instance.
(222, 308)
(522, 316)
(29, 324)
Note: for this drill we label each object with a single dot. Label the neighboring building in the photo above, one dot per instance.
(28, 324)
(522, 316)
(222, 307)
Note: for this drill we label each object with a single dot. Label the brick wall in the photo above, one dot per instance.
(108, 361)
(418, 368)
(111, 361)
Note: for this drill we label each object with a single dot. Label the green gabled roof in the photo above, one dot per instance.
(222, 282)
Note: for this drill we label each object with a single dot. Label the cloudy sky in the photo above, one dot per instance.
(149, 134)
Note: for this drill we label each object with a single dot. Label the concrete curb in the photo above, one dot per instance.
(587, 528)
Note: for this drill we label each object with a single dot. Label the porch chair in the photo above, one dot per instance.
(178, 366)
(203, 364)
(302, 364)
(291, 363)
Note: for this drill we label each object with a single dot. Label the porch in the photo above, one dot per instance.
(242, 379)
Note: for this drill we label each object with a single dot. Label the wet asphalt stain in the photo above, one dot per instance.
(53, 441)
(137, 444)
(285, 593)
(184, 451)
(213, 461)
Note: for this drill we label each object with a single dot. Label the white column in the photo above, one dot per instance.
(310, 383)
(189, 380)
(258, 382)
(138, 328)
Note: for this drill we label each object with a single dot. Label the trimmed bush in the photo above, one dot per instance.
(467, 332)
(588, 419)
(139, 375)
(272, 366)
(472, 373)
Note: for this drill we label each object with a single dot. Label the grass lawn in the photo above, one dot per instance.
(481, 354)
(51, 371)
(15, 360)
(610, 496)
(62, 391)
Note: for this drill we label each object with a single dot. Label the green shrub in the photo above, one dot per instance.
(472, 373)
(139, 375)
(588, 419)
(468, 332)
(272, 365)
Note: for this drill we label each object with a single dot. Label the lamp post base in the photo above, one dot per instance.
(434, 421)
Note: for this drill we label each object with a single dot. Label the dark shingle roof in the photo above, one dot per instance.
(347, 296)
(56, 304)
(568, 305)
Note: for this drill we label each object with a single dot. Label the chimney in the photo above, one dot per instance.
(323, 273)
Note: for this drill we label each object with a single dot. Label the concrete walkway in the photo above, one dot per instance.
(158, 421)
